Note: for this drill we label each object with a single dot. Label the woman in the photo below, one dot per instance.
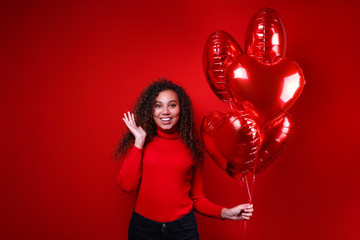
(162, 160)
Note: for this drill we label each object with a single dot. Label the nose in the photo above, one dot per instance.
(165, 111)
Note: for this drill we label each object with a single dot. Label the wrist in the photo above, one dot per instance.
(224, 213)
(139, 143)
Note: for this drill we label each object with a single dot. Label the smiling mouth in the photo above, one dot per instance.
(165, 119)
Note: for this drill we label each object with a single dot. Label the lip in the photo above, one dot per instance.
(167, 121)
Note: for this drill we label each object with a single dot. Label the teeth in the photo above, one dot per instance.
(165, 119)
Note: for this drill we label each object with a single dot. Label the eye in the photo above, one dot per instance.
(157, 106)
(172, 105)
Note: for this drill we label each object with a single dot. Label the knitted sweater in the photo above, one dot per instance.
(168, 184)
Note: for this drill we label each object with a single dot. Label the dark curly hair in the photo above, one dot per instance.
(143, 112)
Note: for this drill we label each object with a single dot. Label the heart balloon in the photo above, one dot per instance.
(265, 91)
(261, 81)
(220, 51)
(265, 38)
(275, 137)
(232, 141)
(259, 85)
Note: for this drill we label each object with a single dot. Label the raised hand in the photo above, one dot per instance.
(137, 131)
(240, 212)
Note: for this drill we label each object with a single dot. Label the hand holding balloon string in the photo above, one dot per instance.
(240, 212)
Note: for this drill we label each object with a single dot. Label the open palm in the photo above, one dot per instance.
(137, 131)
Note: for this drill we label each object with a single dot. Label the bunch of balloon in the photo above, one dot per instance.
(259, 86)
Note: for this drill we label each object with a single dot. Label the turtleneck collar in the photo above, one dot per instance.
(167, 135)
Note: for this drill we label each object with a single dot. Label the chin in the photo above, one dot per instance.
(167, 128)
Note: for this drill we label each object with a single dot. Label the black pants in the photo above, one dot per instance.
(141, 228)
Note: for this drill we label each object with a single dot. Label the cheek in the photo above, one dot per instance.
(177, 113)
(154, 116)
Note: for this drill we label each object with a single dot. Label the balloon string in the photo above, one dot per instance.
(250, 192)
(243, 228)
(252, 183)
(246, 194)
(252, 187)
(243, 190)
(247, 188)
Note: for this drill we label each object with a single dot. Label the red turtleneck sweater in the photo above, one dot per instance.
(168, 186)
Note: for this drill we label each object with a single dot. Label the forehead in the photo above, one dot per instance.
(167, 96)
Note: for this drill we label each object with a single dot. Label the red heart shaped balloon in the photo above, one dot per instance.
(232, 140)
(275, 137)
(261, 83)
(220, 51)
(265, 38)
(265, 91)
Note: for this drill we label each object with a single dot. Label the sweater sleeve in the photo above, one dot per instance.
(201, 204)
(130, 171)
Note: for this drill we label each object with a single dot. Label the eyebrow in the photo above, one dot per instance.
(168, 102)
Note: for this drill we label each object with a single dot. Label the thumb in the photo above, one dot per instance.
(244, 206)
(141, 129)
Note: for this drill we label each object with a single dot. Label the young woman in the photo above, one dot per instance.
(162, 160)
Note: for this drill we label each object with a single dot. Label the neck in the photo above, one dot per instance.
(168, 134)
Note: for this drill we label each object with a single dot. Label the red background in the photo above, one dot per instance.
(69, 70)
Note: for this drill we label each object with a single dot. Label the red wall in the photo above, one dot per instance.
(69, 71)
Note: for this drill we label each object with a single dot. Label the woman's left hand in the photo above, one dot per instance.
(240, 212)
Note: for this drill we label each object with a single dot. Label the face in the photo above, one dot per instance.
(167, 110)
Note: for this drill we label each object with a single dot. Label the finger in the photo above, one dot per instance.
(245, 218)
(246, 214)
(249, 205)
(128, 124)
(126, 117)
(129, 116)
(249, 210)
(245, 206)
(132, 118)
(241, 208)
(131, 121)
(141, 129)
(125, 121)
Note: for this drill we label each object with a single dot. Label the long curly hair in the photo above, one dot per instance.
(143, 112)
